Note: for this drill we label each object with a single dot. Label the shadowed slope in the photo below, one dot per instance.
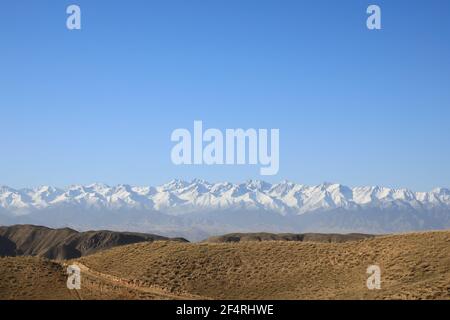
(7, 247)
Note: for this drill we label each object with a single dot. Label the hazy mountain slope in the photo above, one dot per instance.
(180, 197)
(67, 243)
(306, 237)
(199, 209)
(414, 266)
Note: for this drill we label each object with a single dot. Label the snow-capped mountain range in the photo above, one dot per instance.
(181, 197)
(220, 207)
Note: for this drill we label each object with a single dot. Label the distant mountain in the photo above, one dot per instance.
(65, 243)
(198, 209)
(305, 237)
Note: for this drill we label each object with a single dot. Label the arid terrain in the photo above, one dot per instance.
(414, 266)
(63, 244)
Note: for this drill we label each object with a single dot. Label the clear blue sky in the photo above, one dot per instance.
(353, 106)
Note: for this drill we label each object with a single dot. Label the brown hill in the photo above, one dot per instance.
(32, 278)
(306, 237)
(414, 266)
(65, 243)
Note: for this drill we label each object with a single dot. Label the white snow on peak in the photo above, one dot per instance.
(180, 197)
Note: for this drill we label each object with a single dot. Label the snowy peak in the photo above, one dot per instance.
(181, 197)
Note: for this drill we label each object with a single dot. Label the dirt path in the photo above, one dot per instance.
(159, 293)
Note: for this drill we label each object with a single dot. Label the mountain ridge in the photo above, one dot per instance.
(305, 237)
(65, 243)
(178, 197)
(197, 209)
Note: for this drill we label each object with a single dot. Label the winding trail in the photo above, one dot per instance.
(157, 292)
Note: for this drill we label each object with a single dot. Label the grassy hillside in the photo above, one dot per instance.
(414, 266)
(32, 278)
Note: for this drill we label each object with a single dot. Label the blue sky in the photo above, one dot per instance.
(353, 106)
